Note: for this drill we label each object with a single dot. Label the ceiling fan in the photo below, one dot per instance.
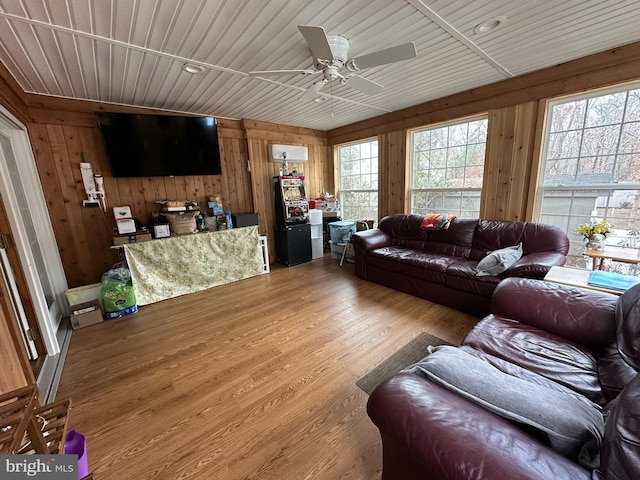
(330, 53)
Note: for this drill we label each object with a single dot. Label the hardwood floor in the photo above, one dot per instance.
(251, 380)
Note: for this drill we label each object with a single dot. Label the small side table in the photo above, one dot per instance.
(575, 277)
(617, 254)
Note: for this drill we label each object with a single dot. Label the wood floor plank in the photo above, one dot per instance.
(251, 380)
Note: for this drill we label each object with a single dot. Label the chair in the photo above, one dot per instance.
(348, 242)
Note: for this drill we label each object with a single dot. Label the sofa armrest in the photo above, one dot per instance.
(370, 239)
(535, 264)
(430, 432)
(581, 315)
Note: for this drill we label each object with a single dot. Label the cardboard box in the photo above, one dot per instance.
(327, 205)
(122, 212)
(85, 314)
(126, 225)
(139, 237)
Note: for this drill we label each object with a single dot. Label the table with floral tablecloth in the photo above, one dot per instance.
(169, 267)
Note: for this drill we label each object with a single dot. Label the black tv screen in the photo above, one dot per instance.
(160, 145)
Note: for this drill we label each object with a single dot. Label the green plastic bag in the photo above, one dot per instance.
(118, 297)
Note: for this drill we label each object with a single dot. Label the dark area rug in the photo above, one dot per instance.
(413, 351)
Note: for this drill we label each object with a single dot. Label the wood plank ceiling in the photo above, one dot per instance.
(132, 51)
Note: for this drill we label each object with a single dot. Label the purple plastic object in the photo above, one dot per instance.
(76, 444)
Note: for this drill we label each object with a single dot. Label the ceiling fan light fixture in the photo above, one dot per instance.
(339, 47)
(490, 25)
(193, 68)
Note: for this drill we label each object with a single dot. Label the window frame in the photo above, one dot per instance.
(545, 145)
(340, 189)
(410, 191)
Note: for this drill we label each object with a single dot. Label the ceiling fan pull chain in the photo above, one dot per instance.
(331, 99)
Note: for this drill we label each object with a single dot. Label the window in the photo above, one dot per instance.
(591, 166)
(447, 165)
(358, 180)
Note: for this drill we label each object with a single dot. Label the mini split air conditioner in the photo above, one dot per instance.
(290, 153)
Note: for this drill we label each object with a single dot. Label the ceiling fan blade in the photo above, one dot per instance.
(313, 91)
(317, 40)
(406, 51)
(365, 86)
(284, 72)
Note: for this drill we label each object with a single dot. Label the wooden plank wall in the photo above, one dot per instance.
(515, 120)
(509, 157)
(62, 131)
(318, 170)
(393, 173)
(62, 140)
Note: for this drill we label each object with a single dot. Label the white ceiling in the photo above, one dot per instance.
(132, 51)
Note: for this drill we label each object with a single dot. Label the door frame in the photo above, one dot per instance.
(14, 299)
(49, 316)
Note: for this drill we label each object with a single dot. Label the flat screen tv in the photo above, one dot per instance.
(160, 145)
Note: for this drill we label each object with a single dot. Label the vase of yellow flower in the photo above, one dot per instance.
(595, 234)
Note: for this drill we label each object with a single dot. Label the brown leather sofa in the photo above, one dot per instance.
(578, 341)
(440, 265)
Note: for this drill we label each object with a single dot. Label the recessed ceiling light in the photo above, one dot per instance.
(192, 68)
(490, 24)
(320, 99)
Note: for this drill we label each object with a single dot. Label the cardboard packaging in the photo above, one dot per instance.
(85, 314)
(327, 205)
(161, 230)
(124, 239)
(126, 225)
(124, 221)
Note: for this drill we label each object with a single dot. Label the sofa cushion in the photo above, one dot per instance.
(499, 260)
(414, 263)
(388, 258)
(621, 447)
(542, 352)
(613, 371)
(462, 276)
(570, 426)
(492, 235)
(522, 373)
(628, 326)
(404, 231)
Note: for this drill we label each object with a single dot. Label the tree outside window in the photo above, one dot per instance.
(447, 166)
(358, 180)
(591, 167)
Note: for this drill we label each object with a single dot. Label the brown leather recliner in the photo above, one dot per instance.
(553, 335)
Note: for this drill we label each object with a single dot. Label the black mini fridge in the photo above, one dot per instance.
(293, 244)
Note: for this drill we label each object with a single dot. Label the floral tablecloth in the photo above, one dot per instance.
(174, 266)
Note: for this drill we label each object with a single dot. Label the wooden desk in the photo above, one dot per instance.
(617, 254)
(575, 277)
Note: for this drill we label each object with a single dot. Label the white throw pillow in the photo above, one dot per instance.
(499, 260)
